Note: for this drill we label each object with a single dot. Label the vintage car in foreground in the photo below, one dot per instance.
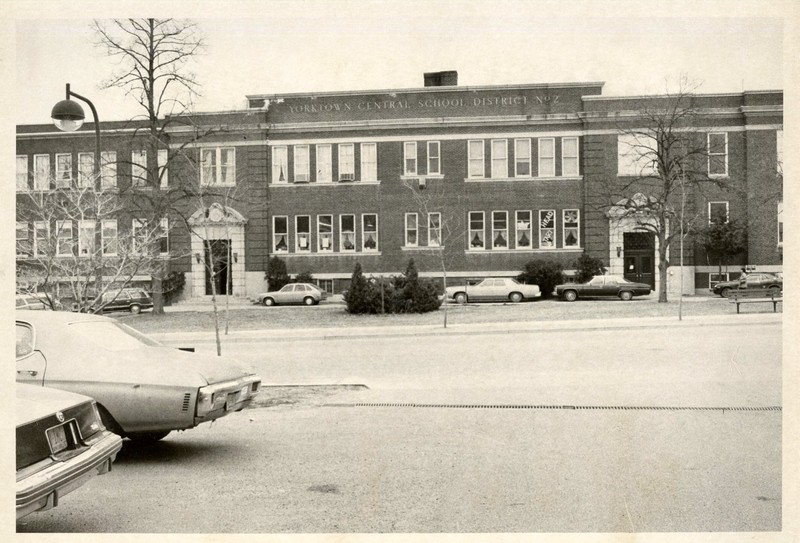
(293, 293)
(61, 444)
(602, 285)
(767, 282)
(493, 289)
(143, 388)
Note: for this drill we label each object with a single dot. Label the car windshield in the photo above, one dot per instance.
(113, 336)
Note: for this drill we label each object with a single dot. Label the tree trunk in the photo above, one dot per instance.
(663, 250)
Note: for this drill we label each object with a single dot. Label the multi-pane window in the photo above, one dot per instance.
(636, 154)
(412, 230)
(163, 171)
(547, 229)
(434, 229)
(22, 172)
(717, 212)
(571, 227)
(139, 168)
(499, 159)
(718, 153)
(547, 157)
(410, 158)
(86, 237)
(325, 233)
(324, 163)
(108, 170)
(63, 171)
(475, 158)
(85, 170)
(41, 238)
(280, 164)
(369, 225)
(218, 166)
(522, 157)
(280, 234)
(500, 229)
(41, 172)
(477, 233)
(302, 228)
(780, 224)
(347, 233)
(108, 237)
(569, 157)
(139, 238)
(434, 158)
(24, 246)
(524, 229)
(64, 243)
(162, 240)
(301, 164)
(369, 162)
(347, 162)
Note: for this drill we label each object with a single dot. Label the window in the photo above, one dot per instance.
(718, 154)
(475, 159)
(280, 234)
(547, 229)
(434, 229)
(499, 159)
(347, 233)
(779, 152)
(64, 238)
(108, 170)
(325, 233)
(302, 227)
(162, 239)
(547, 157)
(635, 154)
(326, 285)
(218, 166)
(108, 237)
(139, 169)
(301, 164)
(24, 247)
(347, 171)
(434, 158)
(85, 170)
(41, 238)
(714, 278)
(324, 163)
(369, 162)
(139, 241)
(41, 172)
(569, 157)
(780, 224)
(86, 237)
(717, 212)
(163, 158)
(499, 229)
(477, 235)
(63, 171)
(22, 173)
(412, 239)
(522, 158)
(410, 158)
(524, 225)
(369, 225)
(571, 227)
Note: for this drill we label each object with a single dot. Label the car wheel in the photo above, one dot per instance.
(268, 302)
(147, 437)
(515, 297)
(774, 290)
(570, 295)
(626, 295)
(136, 309)
(308, 300)
(725, 293)
(461, 298)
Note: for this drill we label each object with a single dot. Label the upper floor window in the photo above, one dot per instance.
(499, 159)
(547, 157)
(475, 159)
(434, 229)
(477, 233)
(144, 238)
(108, 170)
(636, 154)
(569, 157)
(718, 154)
(524, 225)
(218, 167)
(434, 158)
(410, 158)
(139, 168)
(22, 172)
(324, 163)
(717, 212)
(547, 229)
(41, 172)
(63, 171)
(301, 164)
(302, 228)
(280, 234)
(412, 230)
(325, 233)
(347, 233)
(369, 225)
(522, 157)
(347, 162)
(280, 164)
(571, 227)
(85, 170)
(163, 171)
(369, 162)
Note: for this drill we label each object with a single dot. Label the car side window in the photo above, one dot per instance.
(597, 280)
(24, 340)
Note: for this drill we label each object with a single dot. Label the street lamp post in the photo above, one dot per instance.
(68, 116)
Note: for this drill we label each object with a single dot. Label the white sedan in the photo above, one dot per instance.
(493, 289)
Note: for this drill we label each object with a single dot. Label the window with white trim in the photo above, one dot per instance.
(499, 159)
(64, 244)
(434, 229)
(780, 224)
(41, 172)
(369, 162)
(522, 157)
(499, 229)
(324, 163)
(477, 233)
(162, 241)
(524, 229)
(434, 158)
(63, 171)
(547, 157)
(369, 226)
(85, 170)
(24, 247)
(22, 173)
(218, 167)
(302, 164)
(280, 164)
(139, 168)
(109, 237)
(717, 154)
(717, 212)
(347, 233)
(547, 229)
(302, 229)
(86, 237)
(347, 162)
(475, 153)
(108, 170)
(325, 233)
(410, 158)
(41, 238)
(636, 154)
(139, 237)
(412, 230)
(569, 157)
(163, 171)
(280, 234)
(571, 227)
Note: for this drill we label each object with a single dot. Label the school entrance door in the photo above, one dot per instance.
(217, 259)
(639, 250)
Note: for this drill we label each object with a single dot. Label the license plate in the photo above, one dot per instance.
(230, 403)
(57, 437)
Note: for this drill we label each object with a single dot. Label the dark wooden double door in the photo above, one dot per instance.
(639, 250)
(217, 263)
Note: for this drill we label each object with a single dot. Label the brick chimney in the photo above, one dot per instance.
(441, 79)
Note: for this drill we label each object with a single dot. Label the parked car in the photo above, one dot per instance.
(143, 388)
(497, 289)
(38, 302)
(61, 444)
(129, 299)
(293, 293)
(767, 282)
(602, 285)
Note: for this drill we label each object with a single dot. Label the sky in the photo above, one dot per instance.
(282, 47)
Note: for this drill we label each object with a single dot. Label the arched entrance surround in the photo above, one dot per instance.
(217, 234)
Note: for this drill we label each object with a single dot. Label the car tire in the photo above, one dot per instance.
(147, 437)
(570, 295)
(774, 290)
(268, 302)
(461, 298)
(136, 309)
(626, 295)
(515, 297)
(725, 293)
(308, 300)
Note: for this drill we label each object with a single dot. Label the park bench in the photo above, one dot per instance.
(745, 296)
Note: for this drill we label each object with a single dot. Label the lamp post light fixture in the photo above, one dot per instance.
(68, 116)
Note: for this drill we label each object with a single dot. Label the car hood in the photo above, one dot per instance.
(36, 402)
